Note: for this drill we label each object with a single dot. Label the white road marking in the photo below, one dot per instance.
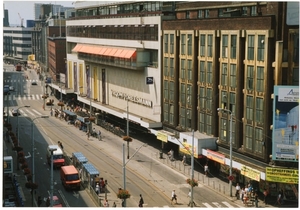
(63, 198)
(227, 204)
(36, 112)
(207, 205)
(217, 204)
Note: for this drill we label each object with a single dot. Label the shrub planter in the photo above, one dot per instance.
(123, 194)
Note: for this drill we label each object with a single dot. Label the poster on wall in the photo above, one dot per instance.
(285, 145)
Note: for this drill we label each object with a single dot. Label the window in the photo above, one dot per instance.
(232, 75)
(245, 11)
(220, 12)
(250, 47)
(206, 13)
(253, 11)
(224, 46)
(171, 43)
(250, 78)
(223, 133)
(189, 42)
(209, 73)
(183, 40)
(187, 14)
(166, 37)
(202, 97)
(166, 72)
(166, 90)
(209, 45)
(189, 95)
(258, 140)
(202, 71)
(232, 102)
(201, 122)
(208, 99)
(172, 68)
(224, 74)
(259, 110)
(249, 108)
(182, 94)
(296, 48)
(171, 114)
(189, 69)
(182, 72)
(171, 91)
(249, 135)
(200, 14)
(166, 110)
(260, 79)
(233, 47)
(202, 45)
(261, 48)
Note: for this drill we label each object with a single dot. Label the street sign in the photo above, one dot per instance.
(149, 80)
(231, 178)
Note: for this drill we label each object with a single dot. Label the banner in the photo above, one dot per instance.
(251, 173)
(215, 156)
(161, 136)
(187, 149)
(282, 175)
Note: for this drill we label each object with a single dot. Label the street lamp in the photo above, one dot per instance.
(230, 151)
(18, 121)
(192, 172)
(51, 184)
(124, 166)
(127, 130)
(91, 124)
(32, 136)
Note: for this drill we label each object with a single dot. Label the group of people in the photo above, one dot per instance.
(246, 193)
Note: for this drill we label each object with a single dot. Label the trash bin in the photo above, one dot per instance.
(161, 155)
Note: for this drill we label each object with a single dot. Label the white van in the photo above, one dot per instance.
(58, 156)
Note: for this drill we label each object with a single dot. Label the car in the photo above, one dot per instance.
(56, 201)
(15, 112)
(6, 89)
(33, 82)
(11, 88)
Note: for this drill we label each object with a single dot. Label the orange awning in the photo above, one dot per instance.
(107, 51)
(77, 47)
(119, 51)
(129, 54)
(113, 51)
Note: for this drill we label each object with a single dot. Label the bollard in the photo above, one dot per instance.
(214, 184)
(203, 178)
(219, 187)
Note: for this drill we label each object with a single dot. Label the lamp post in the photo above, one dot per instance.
(127, 129)
(124, 166)
(51, 184)
(192, 172)
(230, 150)
(32, 136)
(18, 121)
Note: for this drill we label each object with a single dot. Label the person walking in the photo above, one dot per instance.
(99, 135)
(256, 199)
(206, 169)
(171, 154)
(97, 189)
(60, 145)
(184, 160)
(266, 196)
(88, 135)
(39, 201)
(242, 194)
(106, 204)
(189, 196)
(173, 197)
(141, 202)
(114, 205)
(237, 192)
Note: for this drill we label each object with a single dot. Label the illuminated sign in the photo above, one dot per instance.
(250, 172)
(282, 175)
(216, 156)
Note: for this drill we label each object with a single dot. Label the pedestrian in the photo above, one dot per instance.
(190, 195)
(206, 169)
(266, 196)
(141, 202)
(99, 135)
(60, 145)
(237, 192)
(173, 197)
(242, 194)
(171, 154)
(39, 201)
(256, 199)
(123, 203)
(114, 204)
(97, 189)
(88, 135)
(183, 159)
(51, 113)
(106, 204)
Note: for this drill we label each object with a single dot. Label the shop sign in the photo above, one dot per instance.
(250, 172)
(161, 136)
(134, 99)
(215, 156)
(282, 175)
(187, 149)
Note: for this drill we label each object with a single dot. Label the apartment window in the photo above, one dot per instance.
(166, 40)
(166, 89)
(182, 94)
(206, 13)
(166, 71)
(182, 72)
(249, 108)
(258, 140)
(224, 126)
(202, 97)
(209, 45)
(233, 75)
(233, 47)
(202, 71)
(259, 110)
(232, 102)
(224, 46)
(171, 43)
(202, 45)
(248, 136)
(244, 11)
(189, 69)
(189, 95)
(253, 11)
(250, 79)
(201, 122)
(224, 99)
(208, 99)
(171, 114)
(189, 42)
(220, 12)
(250, 47)
(261, 48)
(171, 91)
(260, 79)
(200, 13)
(296, 48)
(187, 14)
(224, 74)
(183, 40)
(208, 124)
(166, 112)
(209, 73)
(172, 68)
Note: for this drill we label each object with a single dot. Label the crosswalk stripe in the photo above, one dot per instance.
(217, 204)
(36, 112)
(19, 98)
(227, 204)
(207, 205)
(30, 113)
(37, 97)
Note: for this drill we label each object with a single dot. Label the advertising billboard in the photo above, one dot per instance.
(285, 145)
